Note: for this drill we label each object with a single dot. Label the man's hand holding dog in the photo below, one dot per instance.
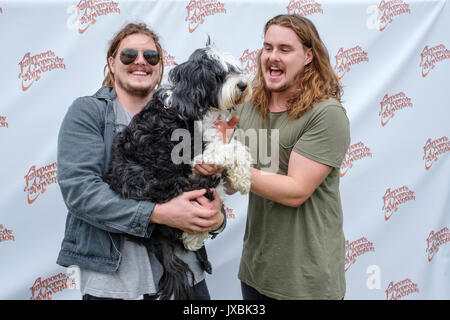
(190, 212)
(224, 131)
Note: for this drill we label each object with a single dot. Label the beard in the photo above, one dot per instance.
(140, 92)
(288, 85)
(278, 89)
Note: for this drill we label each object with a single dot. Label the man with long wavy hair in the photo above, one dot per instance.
(294, 245)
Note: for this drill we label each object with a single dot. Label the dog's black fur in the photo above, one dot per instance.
(141, 166)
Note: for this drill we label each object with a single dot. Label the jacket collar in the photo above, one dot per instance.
(105, 93)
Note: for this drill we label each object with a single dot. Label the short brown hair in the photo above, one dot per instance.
(319, 81)
(129, 29)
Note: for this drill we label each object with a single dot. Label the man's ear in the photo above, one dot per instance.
(111, 64)
(309, 56)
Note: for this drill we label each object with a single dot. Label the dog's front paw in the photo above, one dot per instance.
(239, 182)
(193, 242)
(239, 169)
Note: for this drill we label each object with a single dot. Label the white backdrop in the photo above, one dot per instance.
(394, 62)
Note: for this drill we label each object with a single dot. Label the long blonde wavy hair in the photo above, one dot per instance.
(318, 82)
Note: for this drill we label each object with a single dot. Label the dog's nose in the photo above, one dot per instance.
(242, 86)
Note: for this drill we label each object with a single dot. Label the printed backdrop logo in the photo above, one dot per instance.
(229, 212)
(3, 122)
(389, 9)
(430, 56)
(391, 104)
(6, 235)
(249, 62)
(38, 180)
(355, 152)
(89, 10)
(304, 7)
(198, 10)
(346, 58)
(396, 291)
(433, 149)
(168, 59)
(393, 198)
(44, 289)
(355, 249)
(435, 240)
(31, 67)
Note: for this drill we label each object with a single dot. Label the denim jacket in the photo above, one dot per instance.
(97, 217)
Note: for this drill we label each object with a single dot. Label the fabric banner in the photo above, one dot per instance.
(392, 56)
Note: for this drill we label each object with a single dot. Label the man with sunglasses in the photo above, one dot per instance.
(112, 265)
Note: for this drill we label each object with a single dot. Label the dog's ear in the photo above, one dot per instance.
(208, 41)
(195, 85)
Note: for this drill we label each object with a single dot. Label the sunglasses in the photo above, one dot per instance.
(128, 56)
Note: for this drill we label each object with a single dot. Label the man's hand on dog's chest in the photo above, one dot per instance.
(225, 128)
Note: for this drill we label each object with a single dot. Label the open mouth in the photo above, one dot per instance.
(275, 72)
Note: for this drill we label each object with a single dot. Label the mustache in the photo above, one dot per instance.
(274, 65)
(140, 68)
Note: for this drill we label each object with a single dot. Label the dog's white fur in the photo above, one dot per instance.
(233, 156)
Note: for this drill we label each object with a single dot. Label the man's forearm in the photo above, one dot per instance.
(278, 188)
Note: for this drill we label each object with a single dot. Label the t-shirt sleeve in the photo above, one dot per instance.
(326, 137)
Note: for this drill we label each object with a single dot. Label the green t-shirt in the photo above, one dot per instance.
(296, 253)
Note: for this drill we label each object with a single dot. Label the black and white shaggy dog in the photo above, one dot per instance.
(149, 163)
